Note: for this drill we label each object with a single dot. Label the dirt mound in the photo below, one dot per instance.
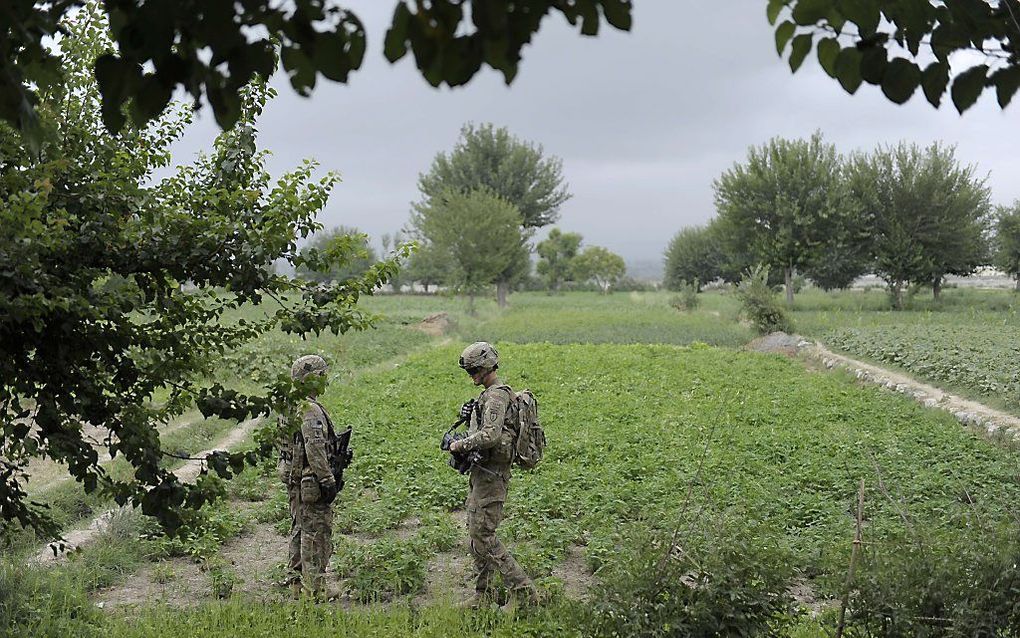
(779, 343)
(436, 324)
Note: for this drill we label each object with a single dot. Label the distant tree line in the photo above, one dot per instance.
(911, 215)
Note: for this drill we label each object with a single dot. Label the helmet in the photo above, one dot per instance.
(479, 356)
(306, 365)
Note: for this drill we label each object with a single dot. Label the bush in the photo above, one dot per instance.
(729, 586)
(759, 303)
(908, 588)
(687, 296)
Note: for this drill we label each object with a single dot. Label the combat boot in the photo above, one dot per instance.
(521, 598)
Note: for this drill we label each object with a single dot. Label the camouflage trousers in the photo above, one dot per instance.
(490, 555)
(311, 540)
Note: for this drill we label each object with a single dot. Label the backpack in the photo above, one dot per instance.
(529, 439)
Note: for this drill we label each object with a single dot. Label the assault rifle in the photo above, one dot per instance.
(341, 456)
(461, 461)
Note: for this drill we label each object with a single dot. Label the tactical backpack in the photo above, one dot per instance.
(529, 440)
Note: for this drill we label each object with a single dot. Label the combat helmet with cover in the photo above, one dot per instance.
(479, 356)
(306, 365)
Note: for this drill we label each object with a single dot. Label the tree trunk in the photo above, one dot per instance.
(936, 288)
(1018, 284)
(502, 289)
(471, 304)
(788, 275)
(896, 288)
(426, 287)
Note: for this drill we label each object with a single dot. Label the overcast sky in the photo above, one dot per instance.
(643, 121)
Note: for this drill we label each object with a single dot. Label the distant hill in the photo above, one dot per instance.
(645, 269)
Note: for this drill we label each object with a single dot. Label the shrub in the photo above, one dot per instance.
(760, 304)
(687, 296)
(729, 586)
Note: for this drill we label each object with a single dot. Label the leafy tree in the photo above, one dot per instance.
(213, 48)
(480, 231)
(94, 323)
(556, 257)
(784, 204)
(1007, 240)
(695, 254)
(601, 265)
(491, 158)
(342, 240)
(928, 214)
(887, 42)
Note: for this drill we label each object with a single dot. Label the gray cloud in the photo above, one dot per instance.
(643, 121)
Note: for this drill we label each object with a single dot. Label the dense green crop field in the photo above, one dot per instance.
(649, 438)
(780, 449)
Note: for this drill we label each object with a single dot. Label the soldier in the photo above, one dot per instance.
(490, 431)
(311, 487)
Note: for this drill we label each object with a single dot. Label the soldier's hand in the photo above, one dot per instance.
(465, 410)
(455, 447)
(328, 490)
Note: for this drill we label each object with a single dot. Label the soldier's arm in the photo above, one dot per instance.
(491, 427)
(313, 430)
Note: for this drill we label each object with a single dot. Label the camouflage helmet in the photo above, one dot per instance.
(306, 365)
(479, 356)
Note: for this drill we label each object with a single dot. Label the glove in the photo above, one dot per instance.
(329, 491)
(465, 410)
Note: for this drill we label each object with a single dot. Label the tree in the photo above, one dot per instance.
(481, 233)
(339, 240)
(491, 158)
(886, 42)
(782, 206)
(94, 324)
(695, 254)
(556, 257)
(214, 48)
(1007, 240)
(928, 214)
(599, 264)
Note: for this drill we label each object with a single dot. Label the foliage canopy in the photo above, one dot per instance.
(213, 48)
(113, 286)
(902, 46)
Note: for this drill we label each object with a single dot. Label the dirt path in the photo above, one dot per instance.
(967, 412)
(45, 474)
(187, 472)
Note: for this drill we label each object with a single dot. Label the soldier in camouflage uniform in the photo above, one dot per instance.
(311, 488)
(490, 432)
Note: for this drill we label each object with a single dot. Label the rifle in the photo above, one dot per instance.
(462, 461)
(341, 457)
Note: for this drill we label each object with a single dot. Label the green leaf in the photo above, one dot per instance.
(900, 80)
(808, 12)
(873, 63)
(1006, 81)
(395, 46)
(968, 86)
(773, 9)
(618, 13)
(801, 47)
(848, 69)
(934, 80)
(864, 13)
(784, 32)
(828, 50)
